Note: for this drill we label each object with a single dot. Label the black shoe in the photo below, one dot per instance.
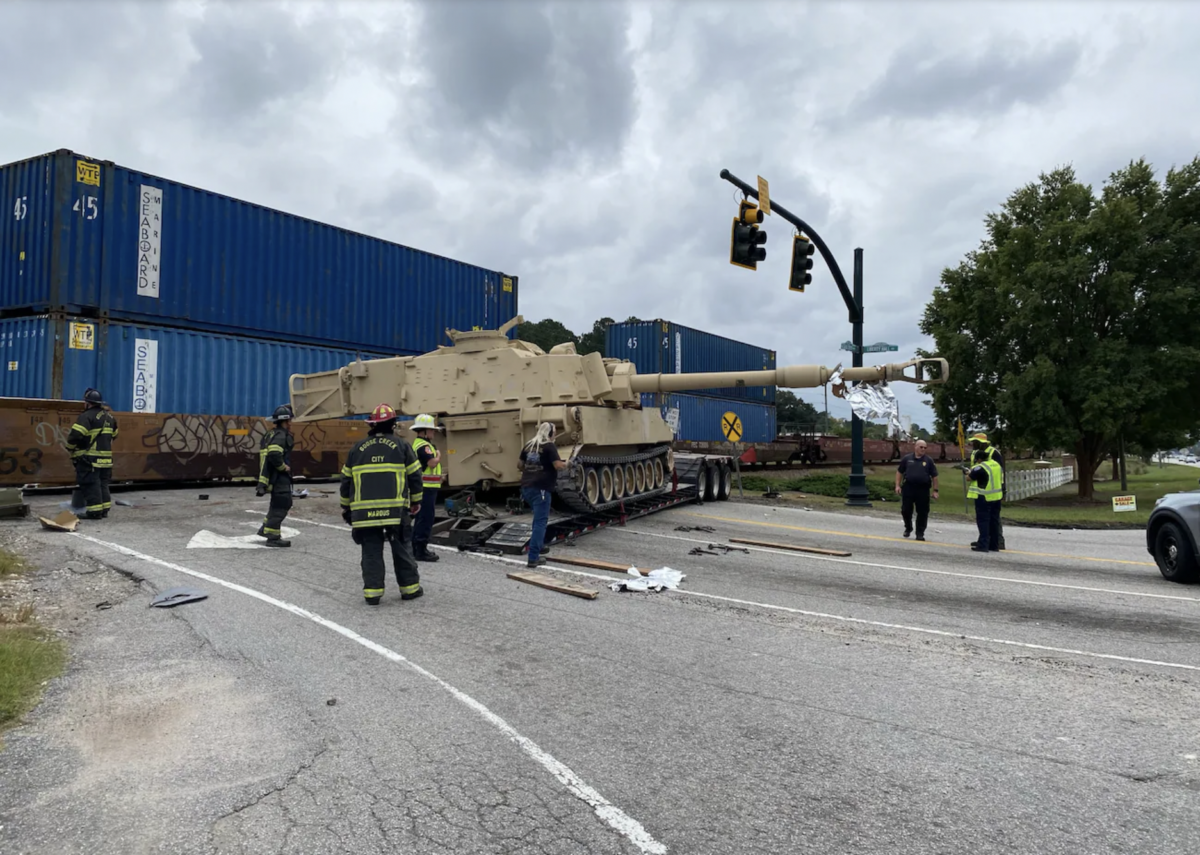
(278, 541)
(104, 515)
(538, 563)
(420, 592)
(373, 601)
(977, 549)
(423, 554)
(974, 543)
(921, 537)
(907, 532)
(94, 516)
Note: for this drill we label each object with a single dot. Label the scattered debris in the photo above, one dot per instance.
(772, 494)
(813, 549)
(655, 580)
(541, 580)
(705, 528)
(204, 497)
(66, 521)
(331, 702)
(728, 549)
(12, 504)
(178, 596)
(300, 494)
(698, 550)
(104, 605)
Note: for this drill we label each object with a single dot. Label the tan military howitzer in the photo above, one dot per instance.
(490, 392)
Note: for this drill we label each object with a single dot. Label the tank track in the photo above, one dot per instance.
(575, 497)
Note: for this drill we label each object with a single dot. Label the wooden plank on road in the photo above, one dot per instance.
(552, 584)
(595, 564)
(816, 550)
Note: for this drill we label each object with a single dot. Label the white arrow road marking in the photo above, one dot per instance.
(205, 539)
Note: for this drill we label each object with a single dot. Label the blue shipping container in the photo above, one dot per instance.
(663, 347)
(699, 418)
(88, 236)
(155, 369)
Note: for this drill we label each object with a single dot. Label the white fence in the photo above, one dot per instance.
(1022, 484)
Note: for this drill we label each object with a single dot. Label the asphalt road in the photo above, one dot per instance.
(911, 698)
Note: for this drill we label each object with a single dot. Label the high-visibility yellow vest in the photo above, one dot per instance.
(994, 490)
(431, 476)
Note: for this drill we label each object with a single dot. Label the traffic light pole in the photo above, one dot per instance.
(857, 494)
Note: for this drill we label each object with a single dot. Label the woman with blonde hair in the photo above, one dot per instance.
(540, 465)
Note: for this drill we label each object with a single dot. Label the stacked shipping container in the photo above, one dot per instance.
(151, 259)
(663, 347)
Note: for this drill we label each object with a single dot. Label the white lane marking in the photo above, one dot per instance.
(624, 824)
(1033, 582)
(842, 618)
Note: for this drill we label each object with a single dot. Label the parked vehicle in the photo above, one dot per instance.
(1173, 536)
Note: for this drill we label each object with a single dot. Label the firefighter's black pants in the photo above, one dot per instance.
(281, 503)
(374, 571)
(88, 493)
(423, 527)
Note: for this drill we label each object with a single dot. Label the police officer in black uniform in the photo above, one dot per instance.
(275, 475)
(90, 441)
(380, 493)
(916, 477)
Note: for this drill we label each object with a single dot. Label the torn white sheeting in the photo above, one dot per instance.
(205, 539)
(656, 580)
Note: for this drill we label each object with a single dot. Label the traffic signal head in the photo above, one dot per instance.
(802, 250)
(746, 240)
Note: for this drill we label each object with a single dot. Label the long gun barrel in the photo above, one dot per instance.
(793, 376)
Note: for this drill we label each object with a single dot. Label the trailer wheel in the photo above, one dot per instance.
(701, 482)
(713, 479)
(724, 482)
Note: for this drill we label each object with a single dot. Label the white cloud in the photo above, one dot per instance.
(579, 145)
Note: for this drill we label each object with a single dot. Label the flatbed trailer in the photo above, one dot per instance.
(473, 527)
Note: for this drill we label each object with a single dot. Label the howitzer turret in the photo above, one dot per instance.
(490, 392)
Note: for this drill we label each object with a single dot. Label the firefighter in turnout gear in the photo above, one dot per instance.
(431, 481)
(381, 491)
(90, 442)
(275, 475)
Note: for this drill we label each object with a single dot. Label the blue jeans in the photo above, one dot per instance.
(539, 500)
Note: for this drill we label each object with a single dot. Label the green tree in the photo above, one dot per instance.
(593, 342)
(1076, 321)
(546, 334)
(794, 412)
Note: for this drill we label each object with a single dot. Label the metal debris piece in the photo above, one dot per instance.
(728, 549)
(12, 504)
(331, 702)
(178, 596)
(705, 528)
(104, 605)
(697, 550)
(204, 497)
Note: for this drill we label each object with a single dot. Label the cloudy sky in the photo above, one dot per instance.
(579, 144)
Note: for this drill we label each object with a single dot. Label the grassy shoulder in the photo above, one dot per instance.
(1062, 507)
(29, 655)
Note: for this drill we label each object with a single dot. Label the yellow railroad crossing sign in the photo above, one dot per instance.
(731, 426)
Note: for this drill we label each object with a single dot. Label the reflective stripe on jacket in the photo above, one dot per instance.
(431, 476)
(381, 479)
(274, 452)
(92, 436)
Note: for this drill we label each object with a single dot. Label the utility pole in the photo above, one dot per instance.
(856, 495)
